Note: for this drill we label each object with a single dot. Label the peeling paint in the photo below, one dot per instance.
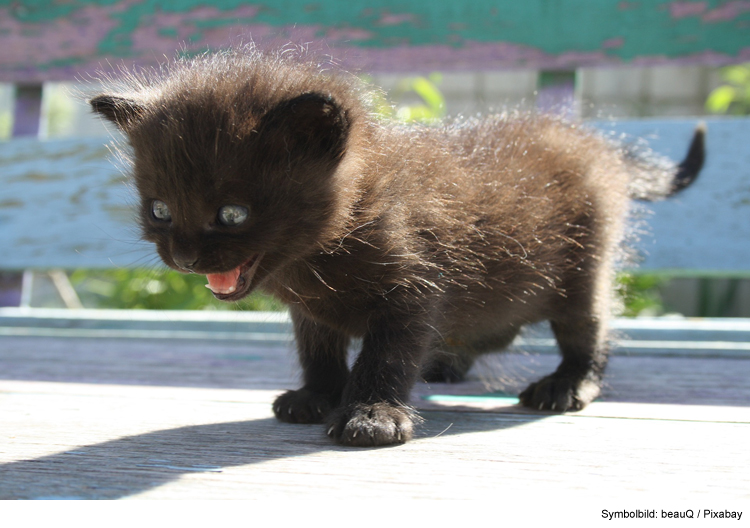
(687, 9)
(348, 34)
(62, 40)
(727, 12)
(36, 176)
(61, 196)
(613, 43)
(388, 19)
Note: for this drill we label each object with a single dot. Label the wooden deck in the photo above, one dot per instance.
(162, 416)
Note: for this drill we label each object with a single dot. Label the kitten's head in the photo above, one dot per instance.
(237, 163)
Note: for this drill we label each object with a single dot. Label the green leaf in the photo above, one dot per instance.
(430, 94)
(738, 75)
(720, 99)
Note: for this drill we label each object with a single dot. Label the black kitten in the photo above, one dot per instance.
(433, 245)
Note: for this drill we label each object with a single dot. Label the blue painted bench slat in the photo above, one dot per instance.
(64, 204)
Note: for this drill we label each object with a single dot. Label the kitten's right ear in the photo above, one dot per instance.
(120, 110)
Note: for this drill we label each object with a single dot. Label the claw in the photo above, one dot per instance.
(541, 405)
(290, 410)
(553, 406)
(330, 430)
(355, 434)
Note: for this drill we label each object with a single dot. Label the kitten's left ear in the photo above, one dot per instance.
(120, 110)
(312, 120)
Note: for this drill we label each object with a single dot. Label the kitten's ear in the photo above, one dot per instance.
(313, 122)
(120, 110)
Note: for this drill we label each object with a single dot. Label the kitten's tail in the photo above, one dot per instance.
(654, 177)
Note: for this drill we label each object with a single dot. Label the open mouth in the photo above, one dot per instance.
(234, 284)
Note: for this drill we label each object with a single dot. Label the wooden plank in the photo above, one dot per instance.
(54, 41)
(67, 205)
(112, 418)
(234, 364)
(95, 442)
(258, 327)
(704, 229)
(71, 189)
(679, 337)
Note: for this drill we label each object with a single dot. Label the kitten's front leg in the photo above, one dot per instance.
(373, 407)
(322, 354)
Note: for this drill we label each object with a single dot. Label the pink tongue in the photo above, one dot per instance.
(223, 282)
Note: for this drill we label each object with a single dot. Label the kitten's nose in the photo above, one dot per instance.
(185, 259)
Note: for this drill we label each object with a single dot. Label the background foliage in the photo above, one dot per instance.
(156, 290)
(170, 290)
(733, 97)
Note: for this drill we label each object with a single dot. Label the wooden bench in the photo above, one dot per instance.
(106, 404)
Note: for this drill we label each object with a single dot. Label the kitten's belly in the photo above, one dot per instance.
(485, 323)
(459, 317)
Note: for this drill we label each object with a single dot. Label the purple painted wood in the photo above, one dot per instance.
(27, 112)
(10, 288)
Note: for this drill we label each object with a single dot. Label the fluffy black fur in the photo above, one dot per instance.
(431, 244)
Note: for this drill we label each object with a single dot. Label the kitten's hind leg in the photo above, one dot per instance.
(448, 367)
(577, 380)
(455, 357)
(579, 321)
(322, 353)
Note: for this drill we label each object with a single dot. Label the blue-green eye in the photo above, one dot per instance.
(232, 215)
(160, 211)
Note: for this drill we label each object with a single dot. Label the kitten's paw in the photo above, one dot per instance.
(303, 406)
(371, 425)
(561, 394)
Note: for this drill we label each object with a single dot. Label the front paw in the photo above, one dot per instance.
(559, 393)
(366, 425)
(303, 406)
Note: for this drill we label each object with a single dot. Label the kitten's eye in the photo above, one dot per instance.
(232, 215)
(160, 211)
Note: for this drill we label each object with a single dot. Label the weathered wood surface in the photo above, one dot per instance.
(114, 418)
(206, 362)
(63, 40)
(657, 336)
(64, 204)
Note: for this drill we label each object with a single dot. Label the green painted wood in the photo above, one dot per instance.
(44, 40)
(65, 205)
